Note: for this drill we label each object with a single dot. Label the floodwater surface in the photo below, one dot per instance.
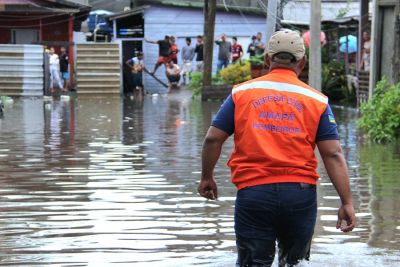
(113, 182)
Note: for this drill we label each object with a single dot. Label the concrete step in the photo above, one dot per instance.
(21, 86)
(8, 92)
(96, 68)
(21, 92)
(98, 74)
(97, 46)
(18, 80)
(23, 57)
(97, 60)
(92, 79)
(97, 50)
(97, 85)
(20, 75)
(22, 48)
(12, 53)
(97, 92)
(91, 53)
(103, 86)
(21, 62)
(89, 65)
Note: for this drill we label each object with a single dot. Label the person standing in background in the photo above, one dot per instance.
(136, 66)
(251, 49)
(237, 50)
(64, 63)
(199, 53)
(54, 70)
(366, 57)
(224, 52)
(187, 58)
(174, 50)
(259, 45)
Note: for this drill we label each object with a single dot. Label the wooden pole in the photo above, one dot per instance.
(271, 19)
(209, 27)
(362, 27)
(375, 47)
(71, 48)
(315, 45)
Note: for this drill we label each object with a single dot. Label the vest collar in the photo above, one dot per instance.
(284, 72)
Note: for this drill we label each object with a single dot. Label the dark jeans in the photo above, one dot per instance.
(222, 63)
(264, 214)
(137, 79)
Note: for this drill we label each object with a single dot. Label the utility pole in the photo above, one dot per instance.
(209, 27)
(271, 18)
(362, 27)
(314, 74)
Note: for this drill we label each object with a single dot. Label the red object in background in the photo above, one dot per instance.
(306, 37)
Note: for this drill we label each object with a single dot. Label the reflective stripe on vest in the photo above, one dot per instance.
(283, 87)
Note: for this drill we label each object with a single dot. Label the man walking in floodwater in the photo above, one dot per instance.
(277, 121)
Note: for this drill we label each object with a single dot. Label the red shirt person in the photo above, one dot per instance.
(237, 50)
(174, 50)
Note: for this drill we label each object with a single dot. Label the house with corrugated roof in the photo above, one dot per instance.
(153, 20)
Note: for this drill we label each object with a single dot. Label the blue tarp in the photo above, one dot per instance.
(351, 46)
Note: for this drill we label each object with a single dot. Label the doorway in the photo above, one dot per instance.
(129, 50)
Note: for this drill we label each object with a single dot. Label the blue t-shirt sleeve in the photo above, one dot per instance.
(327, 129)
(225, 120)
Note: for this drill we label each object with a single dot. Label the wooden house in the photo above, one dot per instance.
(25, 27)
(155, 20)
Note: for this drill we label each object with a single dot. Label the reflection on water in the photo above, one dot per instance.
(103, 182)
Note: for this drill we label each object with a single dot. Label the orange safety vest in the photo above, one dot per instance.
(276, 123)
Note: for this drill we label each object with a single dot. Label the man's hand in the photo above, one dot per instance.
(208, 189)
(346, 213)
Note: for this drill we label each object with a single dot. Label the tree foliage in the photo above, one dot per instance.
(380, 118)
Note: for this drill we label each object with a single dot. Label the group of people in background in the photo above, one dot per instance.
(168, 55)
(191, 56)
(58, 65)
(232, 52)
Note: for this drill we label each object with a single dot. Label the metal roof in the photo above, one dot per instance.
(127, 13)
(44, 6)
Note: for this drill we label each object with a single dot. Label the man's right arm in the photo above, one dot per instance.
(221, 128)
(150, 41)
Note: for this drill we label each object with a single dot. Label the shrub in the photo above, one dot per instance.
(380, 116)
(236, 73)
(196, 82)
(257, 60)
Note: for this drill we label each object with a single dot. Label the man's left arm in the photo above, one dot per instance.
(327, 140)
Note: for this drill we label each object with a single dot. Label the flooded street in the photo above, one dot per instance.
(113, 182)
